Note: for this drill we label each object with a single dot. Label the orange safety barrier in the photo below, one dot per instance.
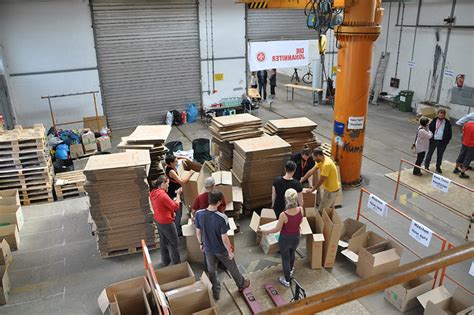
(454, 210)
(444, 275)
(163, 306)
(444, 243)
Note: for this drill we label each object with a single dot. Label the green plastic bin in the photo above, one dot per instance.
(404, 100)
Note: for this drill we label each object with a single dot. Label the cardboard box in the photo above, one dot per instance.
(91, 123)
(9, 197)
(106, 300)
(76, 151)
(332, 234)
(266, 216)
(460, 303)
(309, 199)
(315, 239)
(404, 296)
(103, 143)
(10, 234)
(5, 253)
(12, 215)
(363, 240)
(195, 185)
(224, 183)
(350, 229)
(88, 141)
(378, 259)
(132, 302)
(5, 285)
(436, 295)
(193, 299)
(175, 276)
(269, 242)
(237, 194)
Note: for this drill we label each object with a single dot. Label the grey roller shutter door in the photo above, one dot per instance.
(148, 57)
(277, 24)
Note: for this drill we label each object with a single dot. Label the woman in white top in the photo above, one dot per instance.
(422, 143)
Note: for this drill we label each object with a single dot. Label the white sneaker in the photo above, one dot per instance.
(283, 282)
(292, 271)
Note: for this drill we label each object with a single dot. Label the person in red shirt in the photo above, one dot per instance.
(164, 212)
(202, 201)
(467, 150)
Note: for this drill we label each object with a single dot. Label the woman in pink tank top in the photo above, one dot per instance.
(289, 227)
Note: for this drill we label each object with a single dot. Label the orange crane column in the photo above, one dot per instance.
(356, 37)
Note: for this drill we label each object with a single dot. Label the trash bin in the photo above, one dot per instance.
(404, 100)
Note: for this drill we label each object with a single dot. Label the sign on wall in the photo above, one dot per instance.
(278, 54)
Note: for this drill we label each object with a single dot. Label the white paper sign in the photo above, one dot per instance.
(411, 64)
(420, 233)
(440, 182)
(355, 123)
(449, 73)
(378, 205)
(278, 54)
(471, 270)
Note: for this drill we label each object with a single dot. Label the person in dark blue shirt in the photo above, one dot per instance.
(211, 232)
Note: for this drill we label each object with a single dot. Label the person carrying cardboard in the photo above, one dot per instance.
(202, 200)
(289, 227)
(328, 179)
(164, 212)
(211, 232)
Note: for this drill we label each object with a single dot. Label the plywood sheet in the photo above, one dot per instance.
(150, 134)
(130, 158)
(290, 123)
(124, 144)
(233, 120)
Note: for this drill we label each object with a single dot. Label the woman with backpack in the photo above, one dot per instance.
(422, 143)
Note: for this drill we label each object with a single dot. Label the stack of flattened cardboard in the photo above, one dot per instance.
(257, 161)
(296, 131)
(119, 202)
(226, 129)
(25, 164)
(151, 138)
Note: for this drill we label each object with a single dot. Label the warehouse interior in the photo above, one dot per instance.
(95, 96)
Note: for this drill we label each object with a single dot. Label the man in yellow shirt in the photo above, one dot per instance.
(328, 178)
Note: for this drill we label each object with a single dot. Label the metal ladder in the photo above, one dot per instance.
(379, 77)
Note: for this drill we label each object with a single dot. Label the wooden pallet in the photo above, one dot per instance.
(127, 251)
(28, 200)
(69, 184)
(326, 147)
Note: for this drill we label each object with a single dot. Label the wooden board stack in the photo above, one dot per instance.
(151, 138)
(257, 161)
(226, 129)
(119, 202)
(25, 164)
(296, 131)
(69, 184)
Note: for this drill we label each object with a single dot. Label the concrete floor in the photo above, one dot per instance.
(58, 270)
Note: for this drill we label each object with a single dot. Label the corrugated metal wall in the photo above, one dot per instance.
(277, 24)
(148, 58)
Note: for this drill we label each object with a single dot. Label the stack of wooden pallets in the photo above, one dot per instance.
(257, 161)
(119, 202)
(151, 138)
(296, 131)
(25, 164)
(69, 184)
(227, 129)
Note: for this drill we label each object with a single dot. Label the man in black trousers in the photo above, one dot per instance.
(262, 76)
(442, 134)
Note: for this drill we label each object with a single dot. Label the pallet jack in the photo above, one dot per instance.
(251, 301)
(298, 292)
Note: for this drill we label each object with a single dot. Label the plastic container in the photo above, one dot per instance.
(405, 98)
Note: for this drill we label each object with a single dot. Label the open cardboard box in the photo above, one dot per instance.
(9, 197)
(436, 295)
(350, 229)
(193, 249)
(5, 286)
(195, 185)
(266, 216)
(378, 259)
(332, 234)
(309, 199)
(269, 242)
(107, 301)
(132, 302)
(192, 299)
(224, 184)
(5, 253)
(314, 239)
(363, 240)
(404, 296)
(10, 233)
(237, 194)
(460, 303)
(175, 276)
(12, 215)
